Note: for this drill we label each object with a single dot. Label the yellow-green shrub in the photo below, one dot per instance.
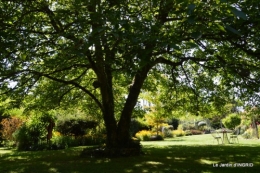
(188, 132)
(178, 133)
(143, 135)
(180, 127)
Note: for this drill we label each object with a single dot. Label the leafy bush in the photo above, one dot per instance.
(9, 144)
(62, 142)
(231, 121)
(245, 121)
(137, 125)
(156, 138)
(174, 122)
(178, 133)
(196, 132)
(180, 127)
(9, 126)
(216, 122)
(76, 127)
(186, 126)
(144, 135)
(30, 135)
(188, 132)
(167, 133)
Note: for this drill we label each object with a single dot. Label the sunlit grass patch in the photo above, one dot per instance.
(4, 151)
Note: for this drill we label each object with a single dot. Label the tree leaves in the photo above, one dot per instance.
(239, 13)
(196, 35)
(229, 28)
(191, 8)
(207, 40)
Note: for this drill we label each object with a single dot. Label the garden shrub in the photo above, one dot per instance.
(156, 138)
(245, 121)
(187, 126)
(180, 127)
(31, 134)
(215, 122)
(174, 122)
(137, 125)
(75, 127)
(28, 136)
(62, 142)
(9, 144)
(144, 135)
(196, 132)
(188, 132)
(167, 133)
(178, 133)
(231, 121)
(9, 126)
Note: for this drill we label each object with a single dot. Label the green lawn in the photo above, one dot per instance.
(183, 154)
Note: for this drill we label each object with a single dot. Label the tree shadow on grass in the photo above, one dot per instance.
(170, 159)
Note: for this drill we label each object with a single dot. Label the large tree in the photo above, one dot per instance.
(81, 49)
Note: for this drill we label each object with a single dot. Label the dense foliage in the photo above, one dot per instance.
(232, 120)
(31, 133)
(9, 126)
(68, 52)
(137, 125)
(75, 127)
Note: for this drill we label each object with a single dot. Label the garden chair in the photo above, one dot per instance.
(234, 136)
(216, 136)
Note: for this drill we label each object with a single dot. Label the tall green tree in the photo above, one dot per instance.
(81, 49)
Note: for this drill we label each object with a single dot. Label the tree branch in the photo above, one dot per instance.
(162, 60)
(55, 23)
(71, 82)
(88, 66)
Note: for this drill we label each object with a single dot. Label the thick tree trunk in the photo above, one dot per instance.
(108, 109)
(118, 141)
(123, 134)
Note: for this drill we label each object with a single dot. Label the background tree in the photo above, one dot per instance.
(231, 121)
(81, 49)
